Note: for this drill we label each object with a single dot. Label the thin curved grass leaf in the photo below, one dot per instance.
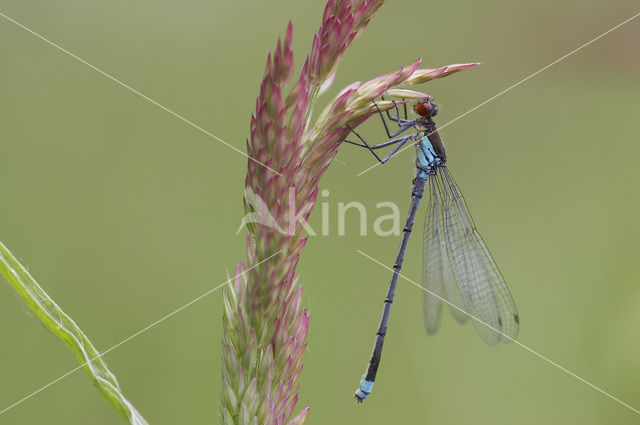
(62, 326)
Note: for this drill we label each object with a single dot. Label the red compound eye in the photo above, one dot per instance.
(423, 108)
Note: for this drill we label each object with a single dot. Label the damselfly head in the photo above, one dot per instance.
(425, 108)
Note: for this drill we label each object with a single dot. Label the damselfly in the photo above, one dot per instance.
(457, 264)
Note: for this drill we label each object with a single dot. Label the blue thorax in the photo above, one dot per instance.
(427, 160)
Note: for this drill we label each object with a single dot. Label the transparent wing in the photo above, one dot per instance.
(480, 285)
(437, 274)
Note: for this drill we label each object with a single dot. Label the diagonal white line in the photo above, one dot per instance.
(162, 319)
(518, 83)
(532, 351)
(131, 89)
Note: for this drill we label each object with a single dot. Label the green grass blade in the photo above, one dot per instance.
(52, 316)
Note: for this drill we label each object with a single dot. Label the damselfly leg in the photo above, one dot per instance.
(401, 141)
(404, 125)
(397, 118)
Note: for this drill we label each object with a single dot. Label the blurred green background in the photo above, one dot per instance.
(124, 213)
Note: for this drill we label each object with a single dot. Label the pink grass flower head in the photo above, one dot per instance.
(265, 325)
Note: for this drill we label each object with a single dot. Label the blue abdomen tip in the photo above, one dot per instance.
(364, 390)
